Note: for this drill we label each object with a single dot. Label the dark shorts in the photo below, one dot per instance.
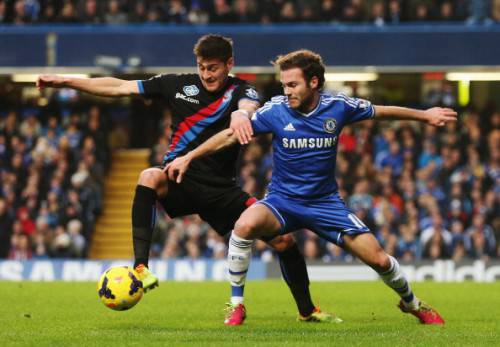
(218, 205)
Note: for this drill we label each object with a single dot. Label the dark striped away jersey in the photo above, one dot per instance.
(197, 115)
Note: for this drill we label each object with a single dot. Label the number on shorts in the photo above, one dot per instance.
(357, 222)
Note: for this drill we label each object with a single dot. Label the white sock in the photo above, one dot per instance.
(238, 257)
(396, 279)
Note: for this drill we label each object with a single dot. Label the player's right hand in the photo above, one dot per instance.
(176, 169)
(241, 126)
(53, 81)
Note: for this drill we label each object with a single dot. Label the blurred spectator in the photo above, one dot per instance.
(479, 11)
(19, 13)
(329, 11)
(197, 15)
(308, 12)
(377, 15)
(436, 241)
(49, 14)
(90, 14)
(176, 12)
(3, 11)
(447, 12)
(288, 13)
(353, 11)
(68, 13)
(6, 222)
(395, 15)
(138, 13)
(480, 242)
(77, 241)
(245, 11)
(457, 232)
(20, 248)
(114, 14)
(422, 11)
(221, 12)
(408, 247)
(495, 10)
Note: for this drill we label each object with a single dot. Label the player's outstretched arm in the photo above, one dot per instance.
(175, 170)
(101, 86)
(437, 116)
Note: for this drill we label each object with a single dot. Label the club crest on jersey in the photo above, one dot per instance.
(363, 103)
(228, 94)
(330, 125)
(252, 94)
(191, 90)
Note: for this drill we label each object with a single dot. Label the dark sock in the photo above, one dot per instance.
(143, 221)
(293, 268)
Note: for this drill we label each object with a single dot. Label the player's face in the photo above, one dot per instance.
(213, 72)
(300, 93)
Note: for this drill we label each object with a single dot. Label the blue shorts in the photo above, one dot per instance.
(328, 217)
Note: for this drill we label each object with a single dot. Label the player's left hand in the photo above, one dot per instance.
(439, 116)
(176, 169)
(241, 126)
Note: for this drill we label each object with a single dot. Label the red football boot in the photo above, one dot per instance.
(424, 313)
(236, 314)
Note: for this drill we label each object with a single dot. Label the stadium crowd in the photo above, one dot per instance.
(377, 12)
(52, 169)
(426, 193)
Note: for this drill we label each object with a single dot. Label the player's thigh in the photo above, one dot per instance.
(178, 201)
(367, 249)
(332, 220)
(256, 222)
(222, 209)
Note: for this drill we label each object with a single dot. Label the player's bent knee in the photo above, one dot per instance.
(381, 262)
(245, 228)
(282, 243)
(151, 177)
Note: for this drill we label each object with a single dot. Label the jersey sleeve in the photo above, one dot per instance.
(262, 120)
(248, 92)
(357, 109)
(157, 86)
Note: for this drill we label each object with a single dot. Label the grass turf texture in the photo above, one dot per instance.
(57, 313)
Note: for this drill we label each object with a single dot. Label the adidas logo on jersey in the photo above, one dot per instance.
(289, 127)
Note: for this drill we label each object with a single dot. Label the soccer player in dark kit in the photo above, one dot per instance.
(202, 105)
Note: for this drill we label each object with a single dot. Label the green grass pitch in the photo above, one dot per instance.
(191, 314)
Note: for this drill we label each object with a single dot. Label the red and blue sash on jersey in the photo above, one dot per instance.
(196, 123)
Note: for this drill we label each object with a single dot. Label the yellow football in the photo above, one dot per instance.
(119, 288)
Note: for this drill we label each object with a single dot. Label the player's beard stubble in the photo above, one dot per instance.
(307, 101)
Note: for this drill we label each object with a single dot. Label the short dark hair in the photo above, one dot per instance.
(309, 62)
(213, 46)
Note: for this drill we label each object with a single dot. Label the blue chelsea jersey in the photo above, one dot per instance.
(305, 145)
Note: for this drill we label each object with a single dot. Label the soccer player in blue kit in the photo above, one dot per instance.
(306, 123)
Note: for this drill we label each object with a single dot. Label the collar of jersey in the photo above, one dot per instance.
(315, 109)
